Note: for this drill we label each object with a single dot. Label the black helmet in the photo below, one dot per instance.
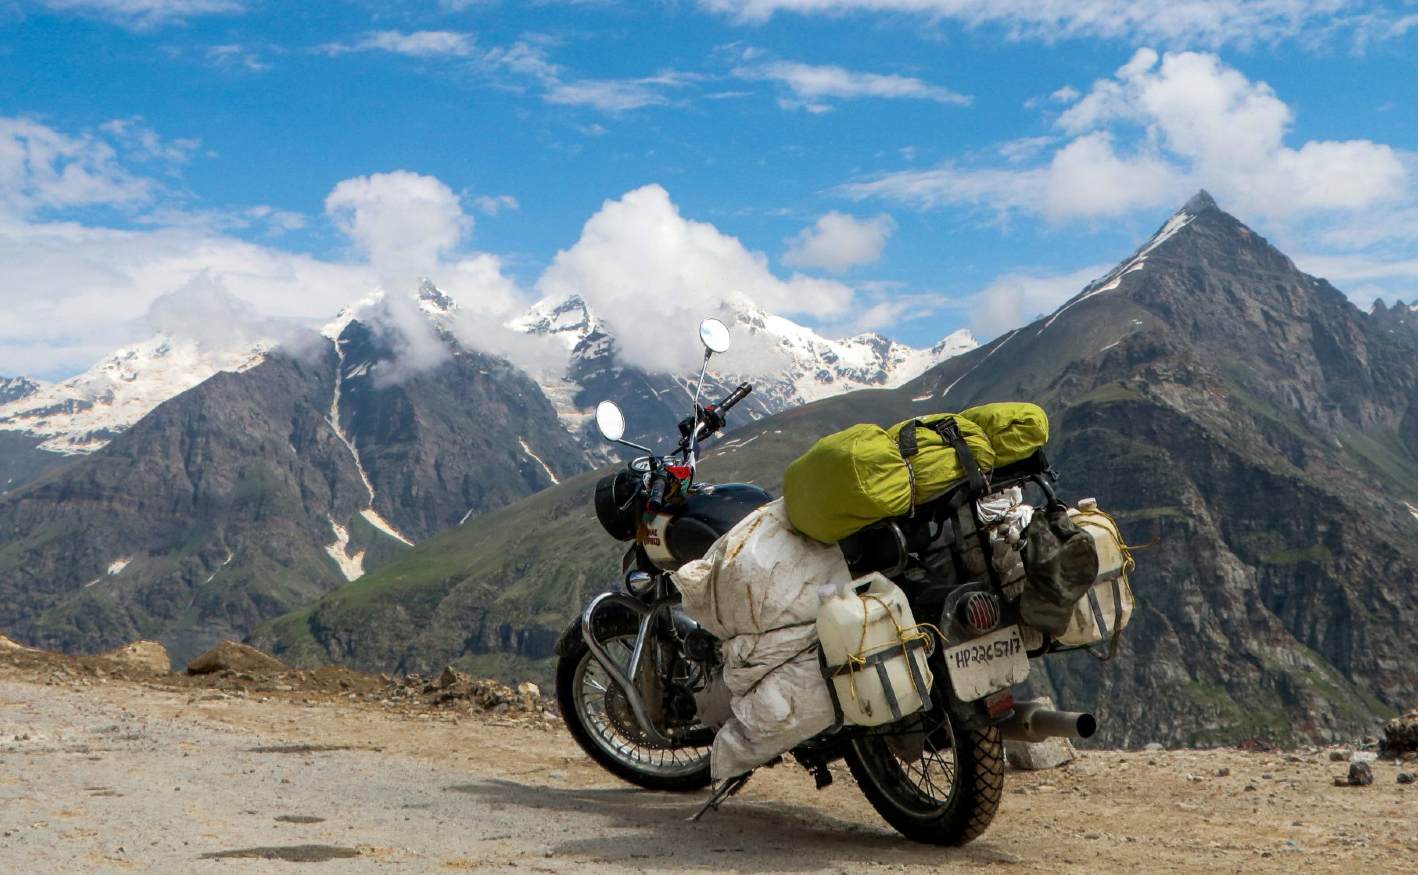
(616, 506)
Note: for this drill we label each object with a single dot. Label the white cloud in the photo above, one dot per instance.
(838, 242)
(403, 222)
(1186, 121)
(491, 205)
(144, 14)
(1015, 298)
(615, 96)
(71, 292)
(41, 168)
(611, 96)
(418, 44)
(1209, 23)
(641, 264)
(144, 144)
(234, 56)
(811, 86)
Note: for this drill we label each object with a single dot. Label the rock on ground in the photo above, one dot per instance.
(234, 656)
(143, 655)
(1401, 734)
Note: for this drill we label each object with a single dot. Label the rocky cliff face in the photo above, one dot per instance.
(1244, 415)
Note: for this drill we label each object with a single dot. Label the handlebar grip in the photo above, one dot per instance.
(736, 396)
(657, 492)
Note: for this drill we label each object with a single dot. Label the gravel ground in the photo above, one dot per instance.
(125, 776)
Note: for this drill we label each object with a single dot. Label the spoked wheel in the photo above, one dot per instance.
(934, 779)
(600, 719)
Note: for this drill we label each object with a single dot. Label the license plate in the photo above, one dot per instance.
(987, 664)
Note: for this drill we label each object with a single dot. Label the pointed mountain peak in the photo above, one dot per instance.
(433, 300)
(1200, 203)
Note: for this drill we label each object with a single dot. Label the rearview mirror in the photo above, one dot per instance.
(610, 421)
(714, 335)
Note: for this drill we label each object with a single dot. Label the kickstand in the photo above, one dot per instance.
(729, 788)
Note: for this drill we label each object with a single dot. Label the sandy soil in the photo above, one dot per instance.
(106, 774)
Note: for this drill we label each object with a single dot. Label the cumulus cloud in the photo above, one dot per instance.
(1164, 125)
(144, 14)
(811, 87)
(1208, 23)
(415, 44)
(641, 265)
(403, 222)
(839, 242)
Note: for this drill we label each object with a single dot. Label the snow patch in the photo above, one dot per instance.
(384, 526)
(351, 566)
(117, 565)
(538, 459)
(1411, 509)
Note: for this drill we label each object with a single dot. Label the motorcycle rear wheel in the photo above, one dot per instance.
(946, 796)
(585, 694)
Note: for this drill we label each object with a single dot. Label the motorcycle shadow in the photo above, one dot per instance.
(633, 826)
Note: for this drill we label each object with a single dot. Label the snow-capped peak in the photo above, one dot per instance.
(83, 413)
(791, 363)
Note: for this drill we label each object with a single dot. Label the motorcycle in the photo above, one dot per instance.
(637, 679)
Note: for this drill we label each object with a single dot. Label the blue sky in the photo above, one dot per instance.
(919, 165)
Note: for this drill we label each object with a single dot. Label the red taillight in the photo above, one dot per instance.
(680, 472)
(980, 612)
(1000, 704)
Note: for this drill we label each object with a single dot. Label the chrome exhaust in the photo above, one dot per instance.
(1033, 722)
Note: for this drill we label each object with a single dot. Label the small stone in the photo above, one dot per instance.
(1364, 756)
(1153, 746)
(1407, 778)
(1360, 775)
(1339, 756)
(1251, 788)
(1223, 773)
(1339, 781)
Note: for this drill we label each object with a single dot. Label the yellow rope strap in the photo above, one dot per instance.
(857, 662)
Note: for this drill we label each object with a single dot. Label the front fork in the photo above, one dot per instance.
(639, 681)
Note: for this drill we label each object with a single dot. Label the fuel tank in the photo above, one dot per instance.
(684, 533)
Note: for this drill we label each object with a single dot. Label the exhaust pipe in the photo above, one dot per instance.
(1033, 722)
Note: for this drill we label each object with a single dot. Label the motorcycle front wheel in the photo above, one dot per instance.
(935, 778)
(599, 718)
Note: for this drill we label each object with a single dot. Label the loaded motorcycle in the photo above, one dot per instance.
(638, 679)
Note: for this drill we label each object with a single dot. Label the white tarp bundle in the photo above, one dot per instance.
(756, 590)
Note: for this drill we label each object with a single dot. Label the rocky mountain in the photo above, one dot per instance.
(1241, 417)
(262, 487)
(1400, 320)
(788, 364)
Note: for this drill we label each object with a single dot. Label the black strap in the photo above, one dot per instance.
(949, 430)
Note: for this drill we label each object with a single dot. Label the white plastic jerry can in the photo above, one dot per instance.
(876, 657)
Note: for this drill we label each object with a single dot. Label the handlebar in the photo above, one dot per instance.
(735, 397)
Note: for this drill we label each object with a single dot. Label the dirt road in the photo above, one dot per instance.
(121, 776)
